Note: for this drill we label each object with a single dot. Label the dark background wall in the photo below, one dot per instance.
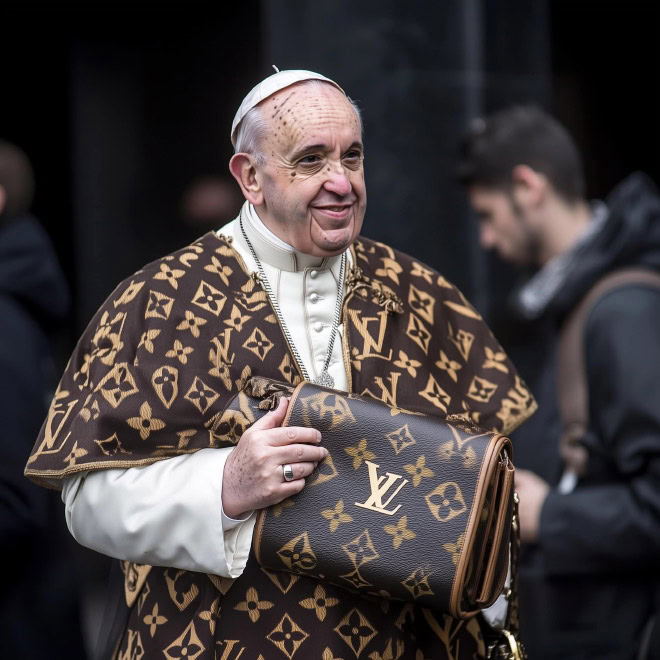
(606, 67)
(420, 71)
(120, 107)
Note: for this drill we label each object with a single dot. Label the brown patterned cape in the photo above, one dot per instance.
(151, 377)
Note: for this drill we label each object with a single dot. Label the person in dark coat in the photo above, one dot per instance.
(38, 608)
(592, 558)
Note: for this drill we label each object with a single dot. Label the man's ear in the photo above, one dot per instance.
(3, 199)
(244, 170)
(529, 186)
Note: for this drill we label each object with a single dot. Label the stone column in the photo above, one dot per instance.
(420, 71)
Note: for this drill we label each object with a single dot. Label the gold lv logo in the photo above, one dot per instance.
(57, 417)
(57, 411)
(372, 346)
(387, 395)
(379, 487)
(228, 650)
(219, 357)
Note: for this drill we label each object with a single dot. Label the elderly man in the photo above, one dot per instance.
(150, 472)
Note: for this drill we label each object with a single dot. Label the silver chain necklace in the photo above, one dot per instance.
(324, 378)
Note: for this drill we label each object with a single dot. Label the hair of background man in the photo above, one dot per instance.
(17, 179)
(521, 135)
(252, 127)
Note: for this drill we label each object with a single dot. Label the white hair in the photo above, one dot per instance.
(252, 128)
(249, 134)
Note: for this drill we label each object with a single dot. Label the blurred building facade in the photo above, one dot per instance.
(121, 109)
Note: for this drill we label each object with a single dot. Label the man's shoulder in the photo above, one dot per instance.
(388, 263)
(178, 274)
(633, 301)
(634, 289)
(170, 268)
(185, 256)
(369, 246)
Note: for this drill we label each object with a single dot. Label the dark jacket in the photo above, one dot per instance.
(599, 547)
(38, 617)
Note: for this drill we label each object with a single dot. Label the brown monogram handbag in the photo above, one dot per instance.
(406, 506)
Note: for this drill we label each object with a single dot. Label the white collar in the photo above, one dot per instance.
(272, 250)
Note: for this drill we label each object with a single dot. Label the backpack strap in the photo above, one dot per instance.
(572, 386)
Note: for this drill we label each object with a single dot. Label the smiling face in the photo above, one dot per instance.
(311, 190)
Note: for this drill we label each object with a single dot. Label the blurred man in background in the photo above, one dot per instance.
(208, 201)
(590, 504)
(38, 608)
(205, 204)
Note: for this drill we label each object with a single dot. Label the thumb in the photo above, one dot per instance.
(274, 418)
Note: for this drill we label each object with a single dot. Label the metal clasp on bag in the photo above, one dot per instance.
(506, 648)
(514, 647)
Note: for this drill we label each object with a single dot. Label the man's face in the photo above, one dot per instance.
(313, 176)
(503, 226)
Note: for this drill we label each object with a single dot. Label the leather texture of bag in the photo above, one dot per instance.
(406, 506)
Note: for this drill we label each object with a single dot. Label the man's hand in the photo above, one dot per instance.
(253, 476)
(532, 491)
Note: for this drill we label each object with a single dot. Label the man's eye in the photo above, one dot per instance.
(309, 160)
(353, 155)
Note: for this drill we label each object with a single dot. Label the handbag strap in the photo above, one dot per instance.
(505, 644)
(572, 387)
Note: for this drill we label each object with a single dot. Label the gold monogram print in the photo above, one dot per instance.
(336, 516)
(161, 371)
(400, 439)
(328, 406)
(298, 553)
(417, 582)
(446, 501)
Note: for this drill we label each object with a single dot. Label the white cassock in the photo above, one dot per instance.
(170, 513)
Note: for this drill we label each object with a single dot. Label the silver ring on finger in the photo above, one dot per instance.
(287, 472)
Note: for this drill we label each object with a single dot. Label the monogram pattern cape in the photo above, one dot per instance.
(151, 378)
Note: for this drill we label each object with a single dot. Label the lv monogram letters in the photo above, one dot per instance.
(373, 347)
(379, 487)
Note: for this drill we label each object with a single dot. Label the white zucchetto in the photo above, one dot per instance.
(269, 86)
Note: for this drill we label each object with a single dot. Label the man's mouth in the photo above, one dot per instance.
(334, 211)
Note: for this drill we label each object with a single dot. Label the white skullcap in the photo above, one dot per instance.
(272, 84)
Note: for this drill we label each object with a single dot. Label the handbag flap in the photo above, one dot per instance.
(395, 508)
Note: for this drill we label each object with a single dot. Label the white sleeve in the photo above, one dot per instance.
(168, 513)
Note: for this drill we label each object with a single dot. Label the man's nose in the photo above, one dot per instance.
(486, 237)
(337, 181)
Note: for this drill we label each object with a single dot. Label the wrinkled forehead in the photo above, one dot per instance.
(302, 111)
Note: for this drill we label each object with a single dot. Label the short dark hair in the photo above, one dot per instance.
(17, 178)
(521, 135)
